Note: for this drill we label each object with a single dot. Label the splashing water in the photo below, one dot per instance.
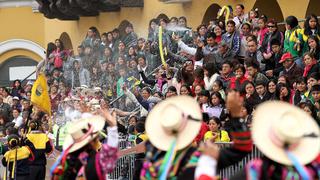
(176, 28)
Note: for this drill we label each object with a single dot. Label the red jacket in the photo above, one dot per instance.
(204, 128)
(233, 82)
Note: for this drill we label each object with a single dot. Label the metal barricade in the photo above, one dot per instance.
(125, 165)
(232, 170)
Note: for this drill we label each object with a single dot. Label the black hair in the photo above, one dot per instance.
(264, 18)
(216, 120)
(241, 5)
(147, 89)
(76, 61)
(240, 66)
(211, 35)
(61, 44)
(159, 94)
(275, 42)
(259, 83)
(231, 22)
(95, 31)
(172, 89)
(255, 40)
(198, 72)
(292, 21)
(229, 63)
(205, 117)
(17, 110)
(34, 125)
(211, 68)
(218, 95)
(300, 80)
(187, 87)
(315, 76)
(256, 10)
(248, 107)
(104, 34)
(140, 127)
(312, 108)
(219, 82)
(200, 26)
(251, 63)
(6, 90)
(151, 21)
(316, 39)
(271, 80)
(115, 30)
(247, 24)
(50, 48)
(13, 141)
(281, 85)
(141, 56)
(184, 18)
(131, 129)
(174, 18)
(307, 29)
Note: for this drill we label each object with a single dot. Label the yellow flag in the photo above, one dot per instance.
(39, 94)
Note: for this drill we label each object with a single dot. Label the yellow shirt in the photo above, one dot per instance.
(222, 136)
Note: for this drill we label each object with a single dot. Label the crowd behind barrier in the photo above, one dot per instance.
(122, 72)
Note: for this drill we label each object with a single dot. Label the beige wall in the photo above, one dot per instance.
(24, 24)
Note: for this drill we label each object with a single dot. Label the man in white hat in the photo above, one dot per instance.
(289, 139)
(80, 149)
(172, 126)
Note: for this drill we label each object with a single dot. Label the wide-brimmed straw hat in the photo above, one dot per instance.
(279, 127)
(82, 132)
(176, 118)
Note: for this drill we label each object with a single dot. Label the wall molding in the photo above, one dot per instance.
(22, 3)
(13, 44)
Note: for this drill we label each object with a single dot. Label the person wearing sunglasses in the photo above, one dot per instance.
(272, 35)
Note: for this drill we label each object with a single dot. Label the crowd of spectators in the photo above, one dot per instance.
(247, 53)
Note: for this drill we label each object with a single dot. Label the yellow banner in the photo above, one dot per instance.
(40, 95)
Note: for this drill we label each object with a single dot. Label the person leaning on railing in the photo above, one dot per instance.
(214, 159)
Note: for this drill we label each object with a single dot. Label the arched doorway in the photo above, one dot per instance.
(313, 8)
(65, 38)
(211, 13)
(271, 9)
(18, 67)
(13, 44)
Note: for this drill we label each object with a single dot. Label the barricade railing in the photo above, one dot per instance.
(230, 171)
(125, 165)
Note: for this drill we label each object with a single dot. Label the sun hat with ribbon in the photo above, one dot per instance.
(82, 132)
(286, 134)
(176, 117)
(172, 125)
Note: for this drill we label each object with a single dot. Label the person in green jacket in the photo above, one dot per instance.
(291, 41)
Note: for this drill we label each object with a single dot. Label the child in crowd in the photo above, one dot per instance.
(218, 87)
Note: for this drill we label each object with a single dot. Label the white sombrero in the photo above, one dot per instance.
(82, 132)
(174, 118)
(278, 126)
